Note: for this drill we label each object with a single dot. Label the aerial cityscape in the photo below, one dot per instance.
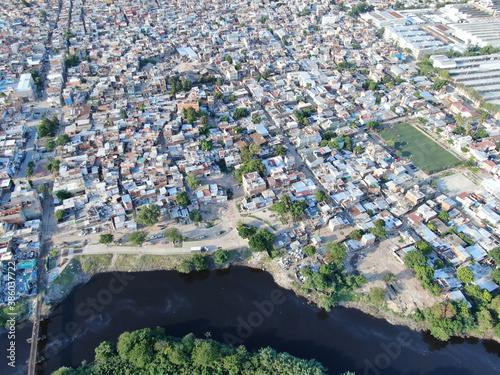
(350, 150)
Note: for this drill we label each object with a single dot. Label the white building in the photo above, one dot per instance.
(25, 88)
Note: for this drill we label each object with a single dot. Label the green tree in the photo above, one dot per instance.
(47, 127)
(245, 231)
(240, 113)
(335, 252)
(309, 250)
(123, 113)
(205, 354)
(495, 276)
(465, 275)
(106, 238)
(201, 262)
(62, 140)
(415, 258)
(444, 215)
(63, 194)
(186, 85)
(42, 188)
(50, 145)
(228, 59)
(389, 278)
(262, 240)
(192, 181)
(371, 125)
(391, 143)
(195, 216)
(280, 150)
(206, 145)
(495, 255)
(424, 247)
(148, 215)
(356, 234)
(137, 238)
(256, 119)
(182, 199)
(72, 60)
(59, 214)
(221, 257)
(379, 230)
(377, 296)
(64, 371)
(185, 266)
(173, 234)
(321, 196)
(358, 150)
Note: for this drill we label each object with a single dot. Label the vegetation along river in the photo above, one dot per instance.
(244, 306)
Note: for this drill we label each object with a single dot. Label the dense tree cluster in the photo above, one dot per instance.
(286, 208)
(137, 238)
(302, 116)
(176, 85)
(152, 352)
(331, 280)
(379, 230)
(182, 199)
(240, 113)
(262, 240)
(417, 261)
(47, 127)
(148, 215)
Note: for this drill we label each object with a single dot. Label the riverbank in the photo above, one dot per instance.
(83, 268)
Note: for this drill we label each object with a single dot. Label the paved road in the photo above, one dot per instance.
(229, 241)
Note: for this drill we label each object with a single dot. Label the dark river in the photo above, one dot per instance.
(243, 306)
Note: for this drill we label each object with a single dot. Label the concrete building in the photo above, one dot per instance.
(25, 88)
(386, 18)
(481, 73)
(478, 33)
(416, 39)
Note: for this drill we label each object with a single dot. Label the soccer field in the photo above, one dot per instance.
(420, 148)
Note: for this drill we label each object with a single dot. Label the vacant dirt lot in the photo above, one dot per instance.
(374, 262)
(456, 184)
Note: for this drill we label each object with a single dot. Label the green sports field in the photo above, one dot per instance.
(428, 155)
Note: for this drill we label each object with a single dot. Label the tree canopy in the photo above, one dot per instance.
(465, 275)
(106, 238)
(321, 196)
(192, 181)
(149, 351)
(335, 252)
(63, 194)
(62, 140)
(148, 215)
(183, 199)
(137, 238)
(262, 240)
(173, 234)
(240, 113)
(59, 214)
(47, 127)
